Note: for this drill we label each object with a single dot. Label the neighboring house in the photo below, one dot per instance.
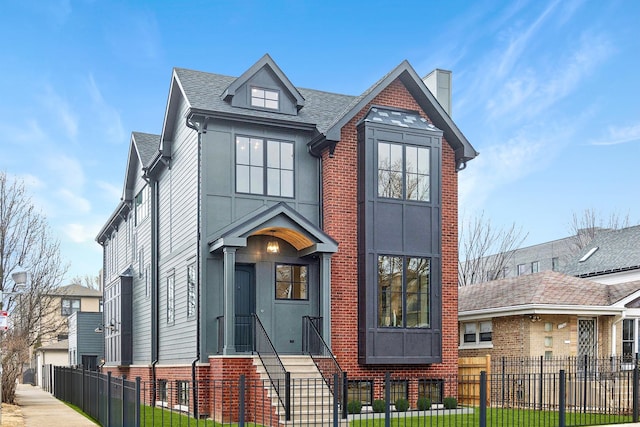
(549, 314)
(86, 342)
(262, 197)
(613, 256)
(69, 299)
(53, 354)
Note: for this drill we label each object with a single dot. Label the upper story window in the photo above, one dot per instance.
(70, 306)
(265, 98)
(264, 166)
(141, 204)
(171, 294)
(191, 290)
(521, 269)
(403, 292)
(535, 267)
(403, 172)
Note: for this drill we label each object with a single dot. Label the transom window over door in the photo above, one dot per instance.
(403, 172)
(403, 292)
(264, 166)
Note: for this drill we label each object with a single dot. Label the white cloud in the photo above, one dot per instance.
(73, 202)
(620, 135)
(113, 192)
(107, 115)
(81, 233)
(59, 109)
(68, 171)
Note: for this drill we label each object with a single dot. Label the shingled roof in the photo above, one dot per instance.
(548, 288)
(617, 250)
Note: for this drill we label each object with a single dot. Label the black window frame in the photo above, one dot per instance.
(404, 172)
(69, 311)
(382, 298)
(292, 283)
(427, 387)
(265, 167)
(357, 389)
(399, 389)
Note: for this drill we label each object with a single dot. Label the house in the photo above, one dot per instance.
(53, 347)
(86, 342)
(260, 198)
(613, 256)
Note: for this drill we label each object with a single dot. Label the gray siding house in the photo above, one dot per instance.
(259, 199)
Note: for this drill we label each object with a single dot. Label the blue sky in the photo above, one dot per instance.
(546, 91)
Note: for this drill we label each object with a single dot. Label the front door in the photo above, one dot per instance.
(245, 306)
(587, 346)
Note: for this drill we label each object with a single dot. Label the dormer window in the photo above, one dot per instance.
(265, 98)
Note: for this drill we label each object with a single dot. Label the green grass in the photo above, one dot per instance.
(159, 417)
(495, 417)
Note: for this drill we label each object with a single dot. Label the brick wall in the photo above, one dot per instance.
(340, 222)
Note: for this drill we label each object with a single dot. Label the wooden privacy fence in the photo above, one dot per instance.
(469, 369)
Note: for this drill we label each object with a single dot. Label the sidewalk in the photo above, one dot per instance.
(40, 408)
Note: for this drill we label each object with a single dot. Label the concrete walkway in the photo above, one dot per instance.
(40, 408)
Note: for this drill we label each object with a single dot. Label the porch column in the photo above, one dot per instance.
(325, 298)
(229, 255)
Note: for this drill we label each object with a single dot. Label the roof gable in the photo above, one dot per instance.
(464, 151)
(265, 73)
(281, 221)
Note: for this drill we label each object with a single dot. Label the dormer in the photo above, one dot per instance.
(264, 87)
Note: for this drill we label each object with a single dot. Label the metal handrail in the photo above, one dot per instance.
(278, 375)
(315, 346)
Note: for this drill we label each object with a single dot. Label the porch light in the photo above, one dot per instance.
(272, 245)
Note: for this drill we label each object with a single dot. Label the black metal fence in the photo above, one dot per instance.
(528, 398)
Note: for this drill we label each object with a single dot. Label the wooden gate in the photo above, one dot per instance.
(469, 369)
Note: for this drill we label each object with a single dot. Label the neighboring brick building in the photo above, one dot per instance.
(549, 314)
(261, 198)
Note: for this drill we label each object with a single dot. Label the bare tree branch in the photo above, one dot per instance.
(585, 226)
(25, 240)
(485, 251)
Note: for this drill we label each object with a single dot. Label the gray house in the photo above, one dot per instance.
(86, 343)
(261, 204)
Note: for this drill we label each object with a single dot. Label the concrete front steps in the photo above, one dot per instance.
(311, 398)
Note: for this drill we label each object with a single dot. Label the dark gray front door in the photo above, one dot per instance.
(245, 306)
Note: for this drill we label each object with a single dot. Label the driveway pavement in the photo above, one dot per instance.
(40, 408)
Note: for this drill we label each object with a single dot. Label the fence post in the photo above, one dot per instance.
(138, 388)
(287, 397)
(483, 399)
(82, 391)
(584, 384)
(387, 399)
(109, 399)
(336, 396)
(241, 386)
(635, 392)
(503, 379)
(540, 384)
(562, 422)
(345, 395)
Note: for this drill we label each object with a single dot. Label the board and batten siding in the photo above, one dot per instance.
(178, 231)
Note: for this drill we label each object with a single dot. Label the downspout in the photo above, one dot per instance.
(200, 128)
(155, 274)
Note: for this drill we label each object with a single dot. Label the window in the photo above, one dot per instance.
(477, 332)
(535, 267)
(171, 298)
(628, 352)
(70, 306)
(147, 280)
(252, 154)
(548, 341)
(432, 389)
(162, 390)
(398, 390)
(183, 393)
(62, 337)
(141, 263)
(522, 269)
(191, 290)
(361, 391)
(141, 204)
(555, 263)
(291, 282)
(265, 98)
(403, 172)
(403, 292)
